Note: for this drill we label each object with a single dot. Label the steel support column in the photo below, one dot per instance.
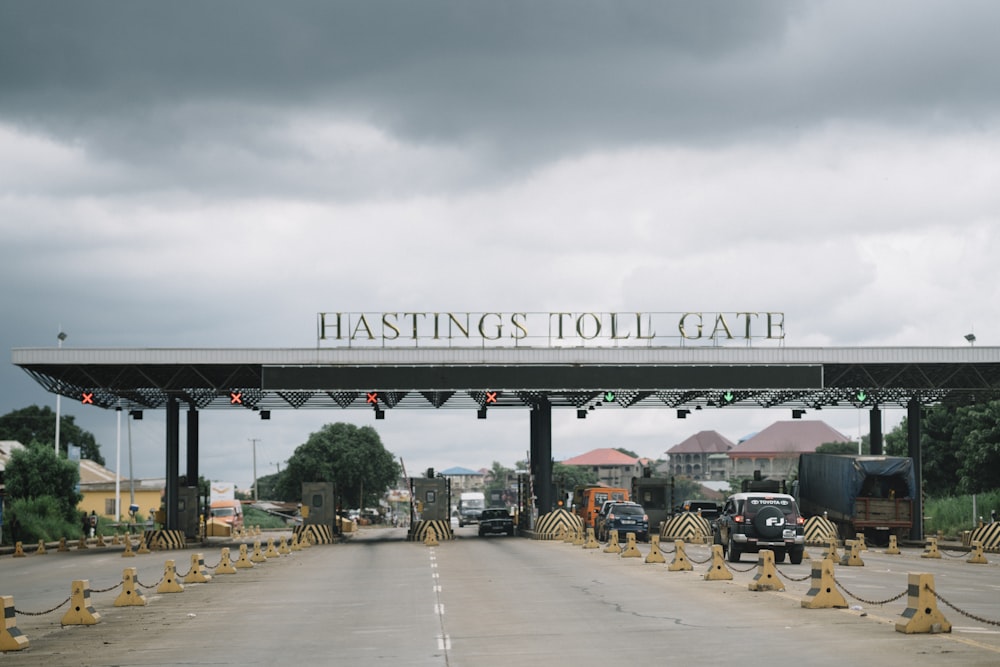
(875, 431)
(192, 446)
(541, 454)
(173, 462)
(913, 444)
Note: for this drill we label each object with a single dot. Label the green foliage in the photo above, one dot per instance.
(627, 452)
(35, 424)
(842, 448)
(38, 518)
(953, 514)
(570, 477)
(497, 477)
(255, 517)
(35, 472)
(960, 446)
(267, 487)
(352, 458)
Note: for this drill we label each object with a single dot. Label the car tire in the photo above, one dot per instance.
(795, 555)
(779, 555)
(734, 552)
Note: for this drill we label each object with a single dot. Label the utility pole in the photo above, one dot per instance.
(254, 441)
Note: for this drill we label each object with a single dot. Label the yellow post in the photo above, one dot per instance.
(717, 570)
(258, 555)
(831, 550)
(283, 547)
(62, 545)
(197, 575)
(631, 551)
(591, 542)
(977, 554)
(931, 549)
(680, 562)
(823, 593)
(243, 562)
(613, 546)
(19, 550)
(170, 583)
(11, 638)
(271, 552)
(80, 610)
(852, 554)
(225, 564)
(655, 555)
(860, 537)
(921, 615)
(893, 549)
(766, 578)
(128, 553)
(430, 537)
(130, 595)
(578, 539)
(41, 548)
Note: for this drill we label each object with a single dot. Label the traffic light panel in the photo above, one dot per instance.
(728, 398)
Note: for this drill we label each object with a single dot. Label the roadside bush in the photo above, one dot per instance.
(39, 518)
(255, 517)
(953, 515)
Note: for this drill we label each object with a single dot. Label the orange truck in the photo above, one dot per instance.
(587, 501)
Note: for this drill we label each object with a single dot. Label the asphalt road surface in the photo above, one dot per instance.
(378, 600)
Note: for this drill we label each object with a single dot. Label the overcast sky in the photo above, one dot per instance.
(192, 174)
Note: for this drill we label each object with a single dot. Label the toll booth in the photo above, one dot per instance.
(318, 505)
(188, 511)
(431, 499)
(655, 494)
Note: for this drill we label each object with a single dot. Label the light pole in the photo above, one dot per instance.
(61, 336)
(254, 441)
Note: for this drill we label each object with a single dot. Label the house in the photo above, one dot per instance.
(463, 479)
(97, 485)
(613, 467)
(775, 450)
(701, 457)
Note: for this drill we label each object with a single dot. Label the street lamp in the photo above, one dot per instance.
(61, 336)
(971, 337)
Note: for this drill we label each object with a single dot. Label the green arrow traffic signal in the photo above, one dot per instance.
(728, 397)
(861, 395)
(609, 396)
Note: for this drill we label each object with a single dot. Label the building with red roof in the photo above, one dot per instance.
(613, 468)
(775, 450)
(701, 457)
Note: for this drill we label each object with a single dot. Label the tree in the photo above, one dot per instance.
(353, 458)
(843, 447)
(627, 452)
(35, 424)
(496, 478)
(959, 445)
(35, 472)
(570, 477)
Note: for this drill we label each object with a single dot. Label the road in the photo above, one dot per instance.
(378, 600)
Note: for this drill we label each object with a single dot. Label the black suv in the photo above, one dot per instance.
(496, 520)
(754, 521)
(626, 518)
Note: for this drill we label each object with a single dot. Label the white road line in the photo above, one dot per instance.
(439, 609)
(444, 643)
(437, 589)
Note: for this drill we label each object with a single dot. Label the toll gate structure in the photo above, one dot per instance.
(384, 379)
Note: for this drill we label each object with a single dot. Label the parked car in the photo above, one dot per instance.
(496, 520)
(709, 509)
(627, 518)
(753, 521)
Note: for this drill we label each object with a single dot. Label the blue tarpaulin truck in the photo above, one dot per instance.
(860, 494)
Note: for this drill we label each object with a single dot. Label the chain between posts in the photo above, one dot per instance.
(805, 578)
(736, 569)
(958, 555)
(963, 613)
(41, 613)
(153, 585)
(874, 603)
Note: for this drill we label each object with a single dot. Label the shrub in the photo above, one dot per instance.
(953, 514)
(39, 518)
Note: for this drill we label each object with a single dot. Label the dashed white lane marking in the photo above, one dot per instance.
(439, 609)
(444, 643)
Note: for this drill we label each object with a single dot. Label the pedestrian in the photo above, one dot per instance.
(93, 523)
